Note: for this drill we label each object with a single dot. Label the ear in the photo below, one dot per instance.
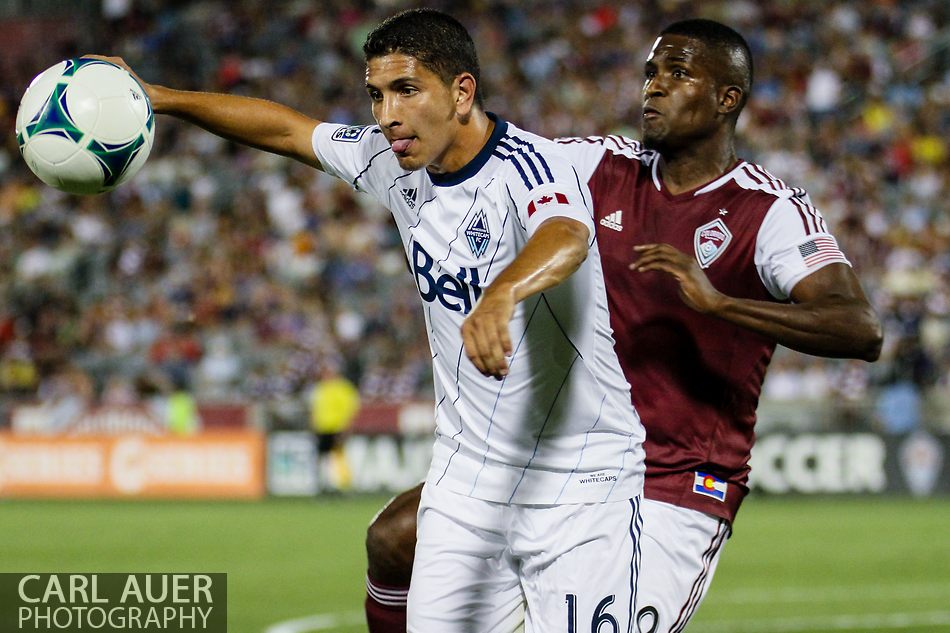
(730, 99)
(465, 87)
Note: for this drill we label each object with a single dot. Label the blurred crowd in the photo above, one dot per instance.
(231, 274)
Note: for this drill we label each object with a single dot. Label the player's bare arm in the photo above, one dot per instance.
(553, 253)
(829, 314)
(258, 123)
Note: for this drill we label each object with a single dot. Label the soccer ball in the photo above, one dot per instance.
(85, 126)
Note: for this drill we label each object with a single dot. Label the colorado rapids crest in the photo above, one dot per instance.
(710, 240)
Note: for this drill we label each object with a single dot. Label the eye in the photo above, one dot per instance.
(375, 95)
(407, 91)
(650, 74)
(679, 73)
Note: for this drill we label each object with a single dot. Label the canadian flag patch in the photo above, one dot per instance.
(545, 200)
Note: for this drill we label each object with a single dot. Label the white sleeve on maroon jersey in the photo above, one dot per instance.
(584, 153)
(793, 242)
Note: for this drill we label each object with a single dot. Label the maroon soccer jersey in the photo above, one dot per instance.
(695, 380)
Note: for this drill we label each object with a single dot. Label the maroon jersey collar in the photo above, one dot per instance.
(710, 186)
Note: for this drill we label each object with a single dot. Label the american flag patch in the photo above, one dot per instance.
(821, 250)
(545, 200)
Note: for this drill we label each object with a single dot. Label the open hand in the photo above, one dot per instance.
(118, 61)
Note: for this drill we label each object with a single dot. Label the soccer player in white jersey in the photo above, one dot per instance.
(533, 492)
(709, 261)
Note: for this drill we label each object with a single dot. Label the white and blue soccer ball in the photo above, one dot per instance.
(85, 126)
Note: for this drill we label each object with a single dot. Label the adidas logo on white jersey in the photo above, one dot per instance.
(613, 221)
(409, 195)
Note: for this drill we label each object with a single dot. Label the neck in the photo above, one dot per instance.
(473, 132)
(696, 164)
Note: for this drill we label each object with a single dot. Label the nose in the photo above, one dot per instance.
(385, 110)
(654, 87)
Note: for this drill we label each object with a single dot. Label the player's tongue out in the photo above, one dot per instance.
(401, 145)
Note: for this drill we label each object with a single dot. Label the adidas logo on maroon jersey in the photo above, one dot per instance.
(613, 221)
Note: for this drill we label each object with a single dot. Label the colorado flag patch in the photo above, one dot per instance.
(709, 485)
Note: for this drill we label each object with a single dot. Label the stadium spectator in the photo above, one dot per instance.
(876, 165)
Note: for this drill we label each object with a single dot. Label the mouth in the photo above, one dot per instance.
(650, 113)
(400, 146)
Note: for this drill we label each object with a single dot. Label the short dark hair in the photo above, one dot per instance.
(726, 44)
(436, 39)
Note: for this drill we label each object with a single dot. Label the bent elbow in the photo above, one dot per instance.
(581, 252)
(873, 349)
(872, 341)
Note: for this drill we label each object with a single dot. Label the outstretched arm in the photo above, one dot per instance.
(830, 315)
(258, 123)
(554, 252)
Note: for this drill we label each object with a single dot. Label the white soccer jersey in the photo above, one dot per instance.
(560, 427)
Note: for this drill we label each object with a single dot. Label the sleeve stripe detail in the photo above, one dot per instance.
(806, 214)
(540, 157)
(812, 220)
(369, 164)
(817, 220)
(524, 154)
(777, 184)
(519, 154)
(624, 143)
(524, 177)
(758, 178)
(615, 144)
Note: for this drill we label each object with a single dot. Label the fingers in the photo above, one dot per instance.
(487, 343)
(660, 257)
(694, 287)
(118, 61)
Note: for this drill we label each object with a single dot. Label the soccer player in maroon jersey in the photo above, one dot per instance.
(709, 262)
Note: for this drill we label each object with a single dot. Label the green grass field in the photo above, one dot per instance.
(793, 565)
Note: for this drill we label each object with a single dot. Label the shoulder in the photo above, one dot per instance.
(348, 135)
(590, 154)
(536, 160)
(791, 203)
(357, 154)
(613, 143)
(756, 178)
(516, 141)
